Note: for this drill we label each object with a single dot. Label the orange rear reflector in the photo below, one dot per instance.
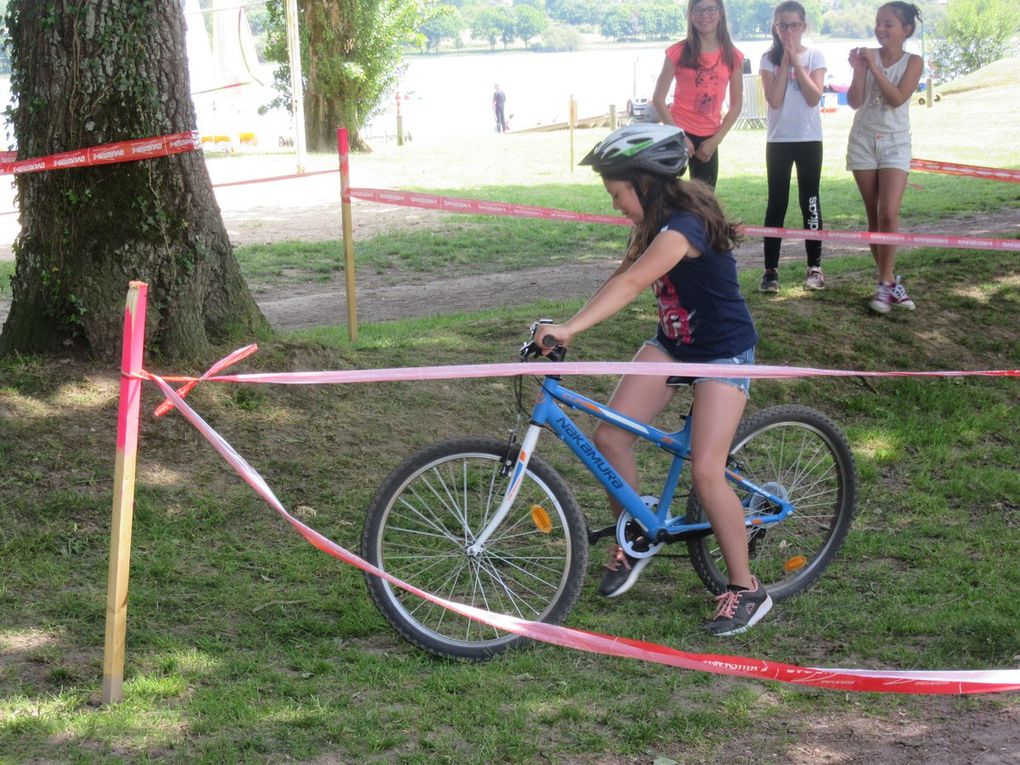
(541, 519)
(796, 563)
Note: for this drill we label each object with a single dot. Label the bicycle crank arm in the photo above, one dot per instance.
(595, 536)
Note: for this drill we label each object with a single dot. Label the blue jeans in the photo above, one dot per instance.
(744, 357)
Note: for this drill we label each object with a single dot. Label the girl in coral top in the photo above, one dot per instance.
(703, 66)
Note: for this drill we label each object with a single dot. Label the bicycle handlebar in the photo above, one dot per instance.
(558, 352)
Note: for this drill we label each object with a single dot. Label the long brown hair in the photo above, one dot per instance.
(790, 6)
(691, 56)
(661, 197)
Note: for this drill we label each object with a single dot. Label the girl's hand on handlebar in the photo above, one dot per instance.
(548, 336)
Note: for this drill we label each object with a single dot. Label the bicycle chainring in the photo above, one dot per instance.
(631, 537)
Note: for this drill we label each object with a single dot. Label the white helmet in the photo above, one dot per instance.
(656, 149)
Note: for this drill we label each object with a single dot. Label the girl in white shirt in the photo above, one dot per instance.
(878, 149)
(792, 77)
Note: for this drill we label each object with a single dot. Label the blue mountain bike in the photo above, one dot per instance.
(487, 523)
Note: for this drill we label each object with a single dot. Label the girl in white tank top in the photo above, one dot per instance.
(878, 152)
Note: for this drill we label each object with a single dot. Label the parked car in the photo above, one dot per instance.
(641, 110)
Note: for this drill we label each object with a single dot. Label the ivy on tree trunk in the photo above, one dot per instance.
(350, 59)
(90, 72)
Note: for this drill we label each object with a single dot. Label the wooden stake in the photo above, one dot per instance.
(124, 493)
(347, 232)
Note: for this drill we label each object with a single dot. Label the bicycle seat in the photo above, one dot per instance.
(676, 381)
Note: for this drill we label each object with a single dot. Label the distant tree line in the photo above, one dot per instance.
(958, 37)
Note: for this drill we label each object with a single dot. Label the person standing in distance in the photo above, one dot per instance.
(703, 66)
(499, 109)
(793, 78)
(878, 150)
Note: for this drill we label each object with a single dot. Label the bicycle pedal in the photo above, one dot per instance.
(595, 536)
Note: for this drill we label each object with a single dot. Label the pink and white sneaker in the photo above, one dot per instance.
(899, 298)
(889, 295)
(880, 300)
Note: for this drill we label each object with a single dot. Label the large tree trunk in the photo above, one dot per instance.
(328, 28)
(89, 72)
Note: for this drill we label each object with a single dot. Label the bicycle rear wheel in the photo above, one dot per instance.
(430, 510)
(799, 454)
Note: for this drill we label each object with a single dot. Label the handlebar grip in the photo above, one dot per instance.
(550, 342)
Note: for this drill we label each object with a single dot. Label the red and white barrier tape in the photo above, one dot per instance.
(517, 369)
(478, 206)
(481, 207)
(877, 237)
(864, 680)
(271, 179)
(107, 154)
(971, 171)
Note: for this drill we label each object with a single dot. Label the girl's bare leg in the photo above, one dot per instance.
(891, 185)
(717, 411)
(642, 398)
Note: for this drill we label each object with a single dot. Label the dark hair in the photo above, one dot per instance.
(790, 6)
(660, 197)
(691, 56)
(908, 13)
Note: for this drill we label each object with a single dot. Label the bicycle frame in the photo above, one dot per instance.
(659, 525)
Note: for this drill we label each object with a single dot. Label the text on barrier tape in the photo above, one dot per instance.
(971, 171)
(107, 153)
(881, 681)
(482, 207)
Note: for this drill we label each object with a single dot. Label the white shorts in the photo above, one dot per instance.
(866, 151)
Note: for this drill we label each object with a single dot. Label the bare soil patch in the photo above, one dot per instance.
(401, 295)
(261, 214)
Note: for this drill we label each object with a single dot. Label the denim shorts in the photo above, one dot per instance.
(878, 152)
(744, 357)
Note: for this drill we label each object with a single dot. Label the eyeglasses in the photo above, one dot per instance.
(793, 26)
(705, 10)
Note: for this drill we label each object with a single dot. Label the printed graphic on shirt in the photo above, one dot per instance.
(706, 89)
(673, 317)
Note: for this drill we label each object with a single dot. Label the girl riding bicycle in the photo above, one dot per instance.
(682, 248)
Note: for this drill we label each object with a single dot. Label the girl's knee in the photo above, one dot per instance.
(888, 220)
(611, 441)
(707, 477)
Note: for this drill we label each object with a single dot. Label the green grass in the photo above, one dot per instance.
(245, 644)
(535, 169)
(6, 273)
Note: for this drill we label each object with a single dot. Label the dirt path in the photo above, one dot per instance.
(410, 295)
(251, 218)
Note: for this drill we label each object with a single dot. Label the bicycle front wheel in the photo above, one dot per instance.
(800, 455)
(430, 511)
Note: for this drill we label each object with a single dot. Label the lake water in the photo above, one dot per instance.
(451, 94)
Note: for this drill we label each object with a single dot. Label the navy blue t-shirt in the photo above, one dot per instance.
(702, 315)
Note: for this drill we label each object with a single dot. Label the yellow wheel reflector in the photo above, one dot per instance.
(541, 519)
(796, 563)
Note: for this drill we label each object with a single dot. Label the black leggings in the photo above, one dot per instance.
(708, 172)
(779, 161)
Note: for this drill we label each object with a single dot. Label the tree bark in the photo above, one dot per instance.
(330, 29)
(90, 72)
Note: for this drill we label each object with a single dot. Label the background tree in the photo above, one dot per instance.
(749, 18)
(531, 22)
(89, 73)
(350, 58)
(620, 22)
(443, 23)
(973, 33)
(661, 21)
(485, 25)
